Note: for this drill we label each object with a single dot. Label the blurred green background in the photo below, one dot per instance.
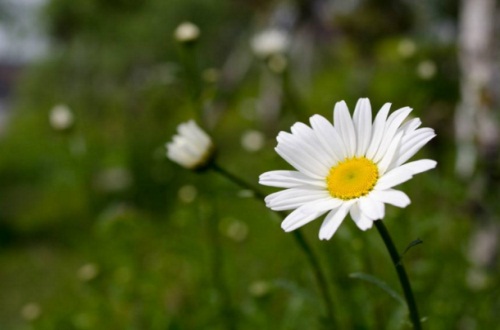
(98, 230)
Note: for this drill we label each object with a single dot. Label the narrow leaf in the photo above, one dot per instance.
(381, 284)
(412, 244)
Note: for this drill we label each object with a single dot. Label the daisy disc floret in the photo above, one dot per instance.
(191, 148)
(349, 167)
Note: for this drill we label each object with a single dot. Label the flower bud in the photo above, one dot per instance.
(61, 118)
(191, 148)
(270, 42)
(186, 32)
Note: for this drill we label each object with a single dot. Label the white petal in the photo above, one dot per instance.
(419, 166)
(393, 178)
(411, 125)
(391, 196)
(328, 137)
(301, 163)
(307, 140)
(363, 124)
(362, 221)
(298, 218)
(391, 152)
(409, 150)
(333, 221)
(288, 179)
(378, 130)
(345, 127)
(372, 208)
(391, 128)
(292, 198)
(323, 205)
(305, 145)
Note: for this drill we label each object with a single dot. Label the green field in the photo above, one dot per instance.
(99, 230)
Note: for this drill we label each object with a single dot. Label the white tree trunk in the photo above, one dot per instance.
(475, 126)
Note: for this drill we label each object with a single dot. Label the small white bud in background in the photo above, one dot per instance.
(187, 194)
(259, 289)
(210, 75)
(237, 231)
(277, 63)
(426, 69)
(113, 179)
(186, 32)
(31, 311)
(270, 42)
(252, 140)
(88, 272)
(407, 48)
(61, 118)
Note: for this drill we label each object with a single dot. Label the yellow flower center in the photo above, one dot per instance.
(352, 178)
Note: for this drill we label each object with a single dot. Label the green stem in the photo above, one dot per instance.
(300, 239)
(217, 272)
(403, 277)
(318, 273)
(189, 61)
(243, 184)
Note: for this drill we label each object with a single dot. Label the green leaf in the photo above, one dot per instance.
(381, 284)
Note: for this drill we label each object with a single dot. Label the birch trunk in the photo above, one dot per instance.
(475, 124)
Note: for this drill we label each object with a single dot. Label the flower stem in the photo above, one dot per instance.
(300, 239)
(243, 184)
(318, 273)
(403, 277)
(228, 312)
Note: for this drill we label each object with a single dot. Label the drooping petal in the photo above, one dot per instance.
(362, 119)
(372, 208)
(362, 221)
(391, 196)
(345, 127)
(333, 221)
(288, 179)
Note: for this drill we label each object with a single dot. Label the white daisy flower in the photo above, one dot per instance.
(192, 148)
(350, 167)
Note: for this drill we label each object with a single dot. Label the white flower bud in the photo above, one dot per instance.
(252, 140)
(187, 32)
(191, 148)
(407, 48)
(270, 42)
(61, 118)
(426, 69)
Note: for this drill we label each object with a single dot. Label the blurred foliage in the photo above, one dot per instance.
(99, 231)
